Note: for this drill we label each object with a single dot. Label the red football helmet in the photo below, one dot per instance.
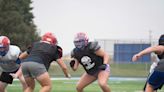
(4, 45)
(49, 37)
(80, 40)
(4, 41)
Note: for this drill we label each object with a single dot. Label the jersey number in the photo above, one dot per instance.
(87, 62)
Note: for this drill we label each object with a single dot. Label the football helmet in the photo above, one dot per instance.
(80, 40)
(4, 45)
(49, 37)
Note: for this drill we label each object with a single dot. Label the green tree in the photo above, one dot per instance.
(16, 22)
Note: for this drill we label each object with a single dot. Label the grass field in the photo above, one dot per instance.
(117, 70)
(69, 86)
(136, 70)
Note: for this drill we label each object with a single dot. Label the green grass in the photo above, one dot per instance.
(130, 69)
(69, 86)
(117, 70)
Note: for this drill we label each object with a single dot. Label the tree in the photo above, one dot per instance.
(16, 22)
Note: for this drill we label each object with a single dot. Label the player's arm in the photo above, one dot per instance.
(159, 49)
(63, 67)
(61, 63)
(23, 55)
(100, 52)
(17, 74)
(95, 47)
(18, 61)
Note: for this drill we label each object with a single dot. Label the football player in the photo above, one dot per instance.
(39, 57)
(94, 60)
(10, 64)
(155, 80)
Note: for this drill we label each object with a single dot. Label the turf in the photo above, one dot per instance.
(117, 70)
(69, 86)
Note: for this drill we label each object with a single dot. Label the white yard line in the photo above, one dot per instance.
(111, 78)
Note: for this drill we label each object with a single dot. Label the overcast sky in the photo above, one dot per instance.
(100, 19)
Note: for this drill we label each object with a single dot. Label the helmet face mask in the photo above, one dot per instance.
(80, 40)
(79, 44)
(4, 45)
(3, 51)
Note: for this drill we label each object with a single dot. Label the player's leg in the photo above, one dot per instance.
(85, 80)
(103, 76)
(30, 84)
(155, 81)
(5, 79)
(45, 82)
(3, 85)
(39, 72)
(144, 86)
(149, 88)
(29, 69)
(26, 70)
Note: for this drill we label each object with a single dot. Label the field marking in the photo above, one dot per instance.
(111, 78)
(14, 85)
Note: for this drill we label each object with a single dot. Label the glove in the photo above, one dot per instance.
(103, 67)
(72, 62)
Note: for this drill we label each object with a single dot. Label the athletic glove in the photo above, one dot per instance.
(72, 63)
(103, 66)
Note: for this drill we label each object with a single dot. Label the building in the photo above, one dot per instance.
(123, 50)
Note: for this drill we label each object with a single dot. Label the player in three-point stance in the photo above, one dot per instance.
(37, 61)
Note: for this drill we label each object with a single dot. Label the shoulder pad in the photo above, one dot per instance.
(94, 45)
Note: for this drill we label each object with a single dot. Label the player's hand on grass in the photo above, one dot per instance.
(69, 76)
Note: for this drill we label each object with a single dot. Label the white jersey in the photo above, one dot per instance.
(152, 67)
(8, 62)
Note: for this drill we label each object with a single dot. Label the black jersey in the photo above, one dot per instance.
(87, 57)
(43, 53)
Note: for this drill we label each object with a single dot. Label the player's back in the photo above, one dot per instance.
(42, 52)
